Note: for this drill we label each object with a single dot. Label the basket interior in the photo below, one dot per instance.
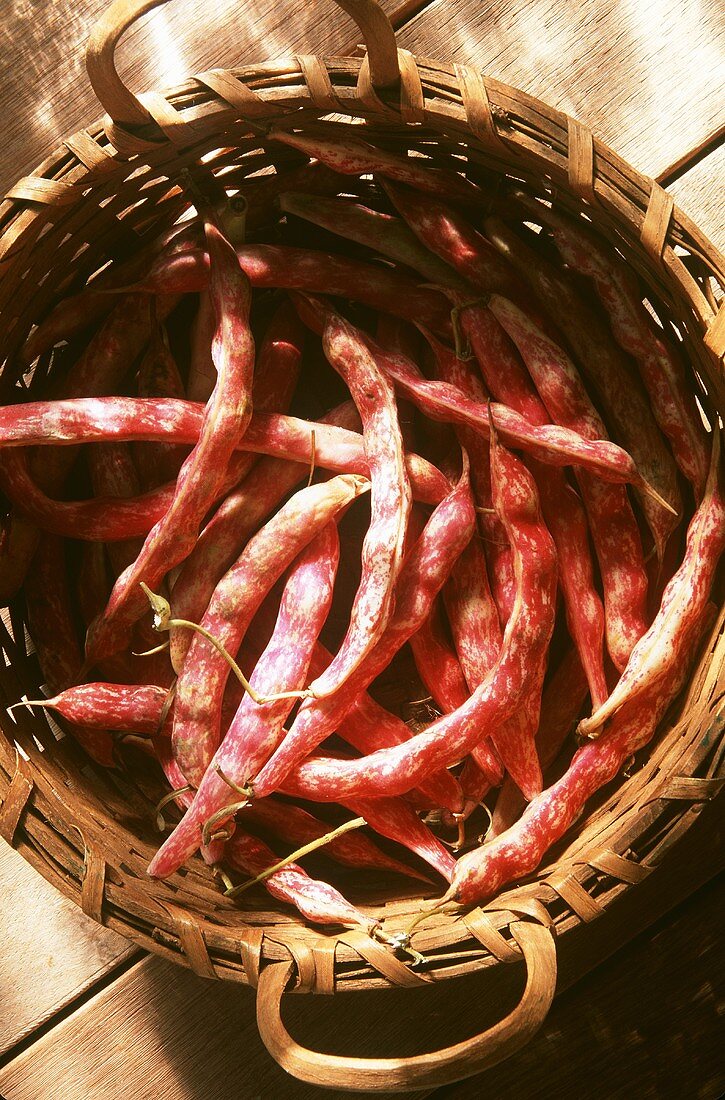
(92, 832)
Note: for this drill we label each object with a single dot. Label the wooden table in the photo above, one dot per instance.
(83, 1014)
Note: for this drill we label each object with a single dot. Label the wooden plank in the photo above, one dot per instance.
(42, 72)
(700, 194)
(158, 1032)
(644, 77)
(191, 1038)
(51, 952)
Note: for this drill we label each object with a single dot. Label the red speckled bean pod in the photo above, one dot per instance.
(660, 366)
(478, 638)
(474, 620)
(126, 419)
(225, 419)
(396, 820)
(316, 901)
(683, 602)
(383, 232)
(287, 268)
(390, 817)
(199, 690)
(560, 707)
(114, 474)
(475, 784)
(256, 728)
(201, 378)
(505, 374)
(527, 635)
(390, 500)
(353, 157)
(549, 443)
(296, 826)
(104, 520)
(586, 616)
(448, 235)
(276, 373)
(607, 370)
(519, 850)
(424, 573)
(51, 626)
(132, 707)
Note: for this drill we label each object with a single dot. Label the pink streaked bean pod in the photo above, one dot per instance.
(317, 901)
(256, 729)
(390, 500)
(660, 366)
(624, 402)
(683, 602)
(303, 269)
(225, 420)
(353, 157)
(236, 598)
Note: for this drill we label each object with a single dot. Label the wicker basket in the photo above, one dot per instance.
(89, 833)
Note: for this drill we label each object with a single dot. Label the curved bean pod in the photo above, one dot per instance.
(256, 729)
(549, 443)
(560, 707)
(233, 524)
(661, 368)
(624, 604)
(158, 376)
(369, 726)
(225, 419)
(383, 232)
(353, 157)
(424, 573)
(135, 708)
(390, 500)
(317, 901)
(683, 601)
(287, 268)
(200, 687)
(607, 371)
(100, 369)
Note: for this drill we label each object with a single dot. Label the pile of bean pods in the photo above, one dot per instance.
(359, 424)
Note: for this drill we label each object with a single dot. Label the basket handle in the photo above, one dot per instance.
(126, 110)
(441, 1067)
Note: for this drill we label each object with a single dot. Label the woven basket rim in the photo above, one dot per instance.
(36, 787)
